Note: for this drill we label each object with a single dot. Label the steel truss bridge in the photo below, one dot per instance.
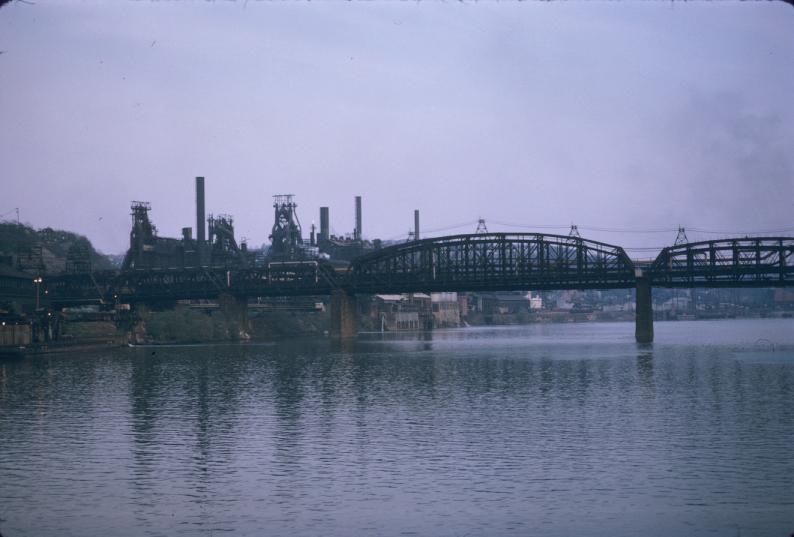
(748, 262)
(476, 262)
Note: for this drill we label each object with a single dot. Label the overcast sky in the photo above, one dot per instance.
(609, 115)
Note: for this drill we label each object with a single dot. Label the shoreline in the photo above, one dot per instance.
(73, 346)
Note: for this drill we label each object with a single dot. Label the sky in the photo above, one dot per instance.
(626, 119)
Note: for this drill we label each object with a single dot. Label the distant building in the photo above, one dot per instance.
(783, 297)
(396, 312)
(414, 311)
(503, 303)
(446, 311)
(676, 303)
(463, 304)
(15, 285)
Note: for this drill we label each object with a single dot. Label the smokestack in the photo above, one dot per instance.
(357, 233)
(416, 224)
(200, 225)
(324, 224)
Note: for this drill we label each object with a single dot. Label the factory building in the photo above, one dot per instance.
(150, 251)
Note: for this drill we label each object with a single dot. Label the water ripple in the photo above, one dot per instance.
(549, 430)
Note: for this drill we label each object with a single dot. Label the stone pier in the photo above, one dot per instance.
(236, 309)
(344, 323)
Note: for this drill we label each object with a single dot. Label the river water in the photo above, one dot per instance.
(552, 430)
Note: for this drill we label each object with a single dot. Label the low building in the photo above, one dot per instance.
(413, 311)
(15, 331)
(446, 311)
(16, 287)
(503, 303)
(783, 297)
(396, 312)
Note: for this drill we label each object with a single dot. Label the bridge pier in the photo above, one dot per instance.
(643, 313)
(344, 323)
(236, 309)
(133, 322)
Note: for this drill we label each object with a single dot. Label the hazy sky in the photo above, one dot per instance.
(610, 115)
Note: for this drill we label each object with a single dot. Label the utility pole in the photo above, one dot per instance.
(37, 280)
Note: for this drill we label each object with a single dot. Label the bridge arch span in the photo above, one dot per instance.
(737, 262)
(493, 261)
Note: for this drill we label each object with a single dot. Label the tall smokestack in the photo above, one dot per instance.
(325, 228)
(416, 224)
(357, 233)
(200, 225)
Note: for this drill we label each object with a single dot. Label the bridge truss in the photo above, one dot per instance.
(748, 262)
(493, 261)
(478, 262)
(165, 285)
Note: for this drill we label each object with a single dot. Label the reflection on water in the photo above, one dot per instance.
(537, 430)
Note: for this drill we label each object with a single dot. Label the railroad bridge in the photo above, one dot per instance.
(472, 262)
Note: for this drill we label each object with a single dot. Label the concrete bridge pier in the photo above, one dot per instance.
(235, 309)
(133, 323)
(643, 311)
(344, 324)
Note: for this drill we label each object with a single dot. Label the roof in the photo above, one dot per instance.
(506, 298)
(390, 298)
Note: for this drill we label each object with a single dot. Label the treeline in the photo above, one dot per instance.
(48, 249)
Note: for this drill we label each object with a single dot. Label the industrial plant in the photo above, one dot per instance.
(214, 244)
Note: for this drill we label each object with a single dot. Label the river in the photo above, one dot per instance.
(558, 430)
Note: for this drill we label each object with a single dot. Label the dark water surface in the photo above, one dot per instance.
(538, 430)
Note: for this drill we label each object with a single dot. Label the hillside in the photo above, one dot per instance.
(48, 250)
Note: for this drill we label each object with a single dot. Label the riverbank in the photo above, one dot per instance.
(186, 327)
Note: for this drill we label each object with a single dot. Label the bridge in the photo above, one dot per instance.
(471, 262)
